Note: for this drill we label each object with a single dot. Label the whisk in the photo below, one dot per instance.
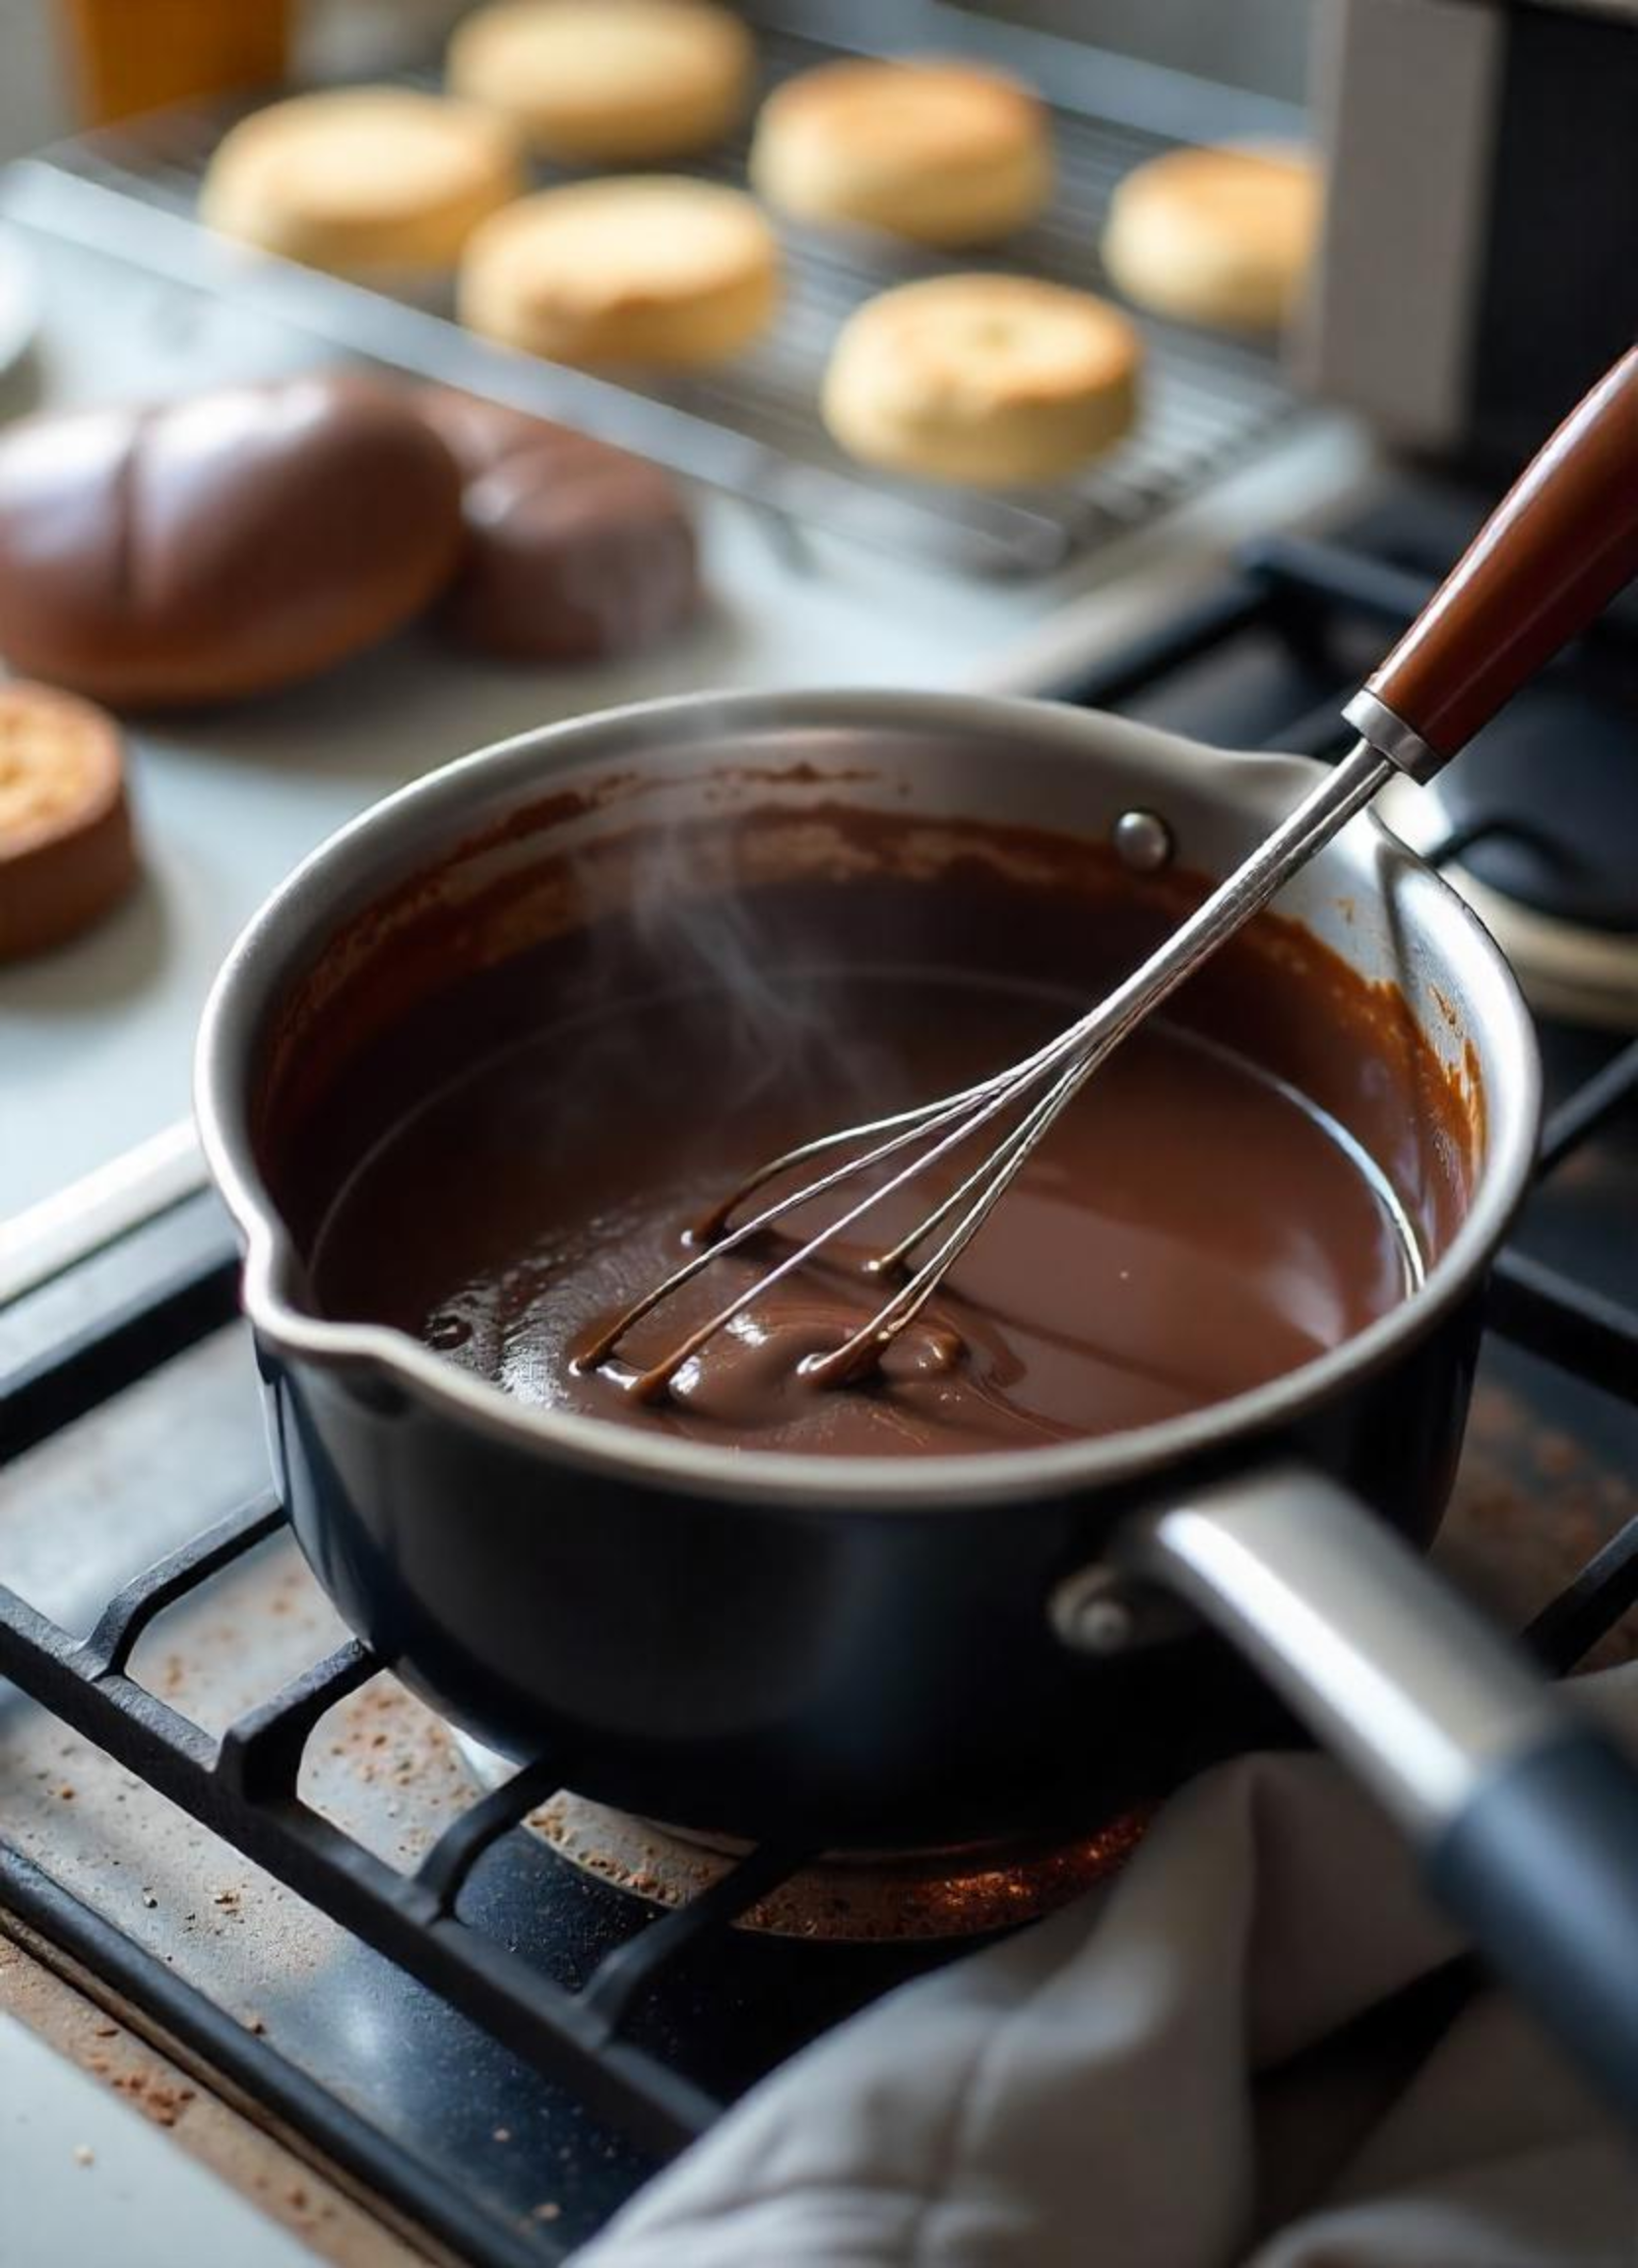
(1558, 547)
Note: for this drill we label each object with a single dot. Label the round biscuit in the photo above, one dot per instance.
(362, 181)
(652, 270)
(988, 380)
(1218, 236)
(607, 82)
(942, 152)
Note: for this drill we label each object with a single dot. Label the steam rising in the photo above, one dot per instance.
(773, 1025)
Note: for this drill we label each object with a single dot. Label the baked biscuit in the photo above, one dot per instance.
(653, 270)
(991, 380)
(1221, 236)
(66, 849)
(366, 181)
(943, 153)
(607, 82)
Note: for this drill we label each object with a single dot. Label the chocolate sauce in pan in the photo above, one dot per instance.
(1193, 1227)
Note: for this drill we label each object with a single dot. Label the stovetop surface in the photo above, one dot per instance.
(466, 2133)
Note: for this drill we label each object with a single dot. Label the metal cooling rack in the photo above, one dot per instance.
(752, 428)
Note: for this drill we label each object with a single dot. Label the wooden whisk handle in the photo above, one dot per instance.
(1557, 547)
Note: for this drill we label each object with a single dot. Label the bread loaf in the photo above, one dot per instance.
(221, 546)
(573, 549)
(1220, 236)
(607, 82)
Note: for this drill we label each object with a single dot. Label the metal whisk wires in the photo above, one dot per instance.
(1052, 1076)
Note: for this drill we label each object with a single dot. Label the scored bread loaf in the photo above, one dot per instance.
(222, 545)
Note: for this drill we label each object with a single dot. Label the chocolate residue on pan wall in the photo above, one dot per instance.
(755, 937)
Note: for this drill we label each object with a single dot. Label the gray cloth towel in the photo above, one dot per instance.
(1180, 2072)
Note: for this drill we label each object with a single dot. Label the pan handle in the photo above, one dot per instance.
(1525, 1816)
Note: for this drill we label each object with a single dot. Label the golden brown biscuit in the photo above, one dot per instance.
(1221, 236)
(66, 848)
(364, 181)
(653, 270)
(940, 152)
(988, 379)
(607, 82)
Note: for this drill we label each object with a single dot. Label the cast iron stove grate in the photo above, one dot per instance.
(119, 1316)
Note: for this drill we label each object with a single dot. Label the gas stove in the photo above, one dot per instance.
(490, 2010)
(1536, 822)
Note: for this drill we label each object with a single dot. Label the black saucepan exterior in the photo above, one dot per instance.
(820, 1657)
(832, 1676)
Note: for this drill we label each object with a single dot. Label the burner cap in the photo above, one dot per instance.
(842, 1897)
(1556, 776)
(859, 1899)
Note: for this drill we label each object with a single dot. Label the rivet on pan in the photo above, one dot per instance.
(1142, 842)
(1088, 1614)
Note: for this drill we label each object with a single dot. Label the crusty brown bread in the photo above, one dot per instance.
(573, 549)
(221, 546)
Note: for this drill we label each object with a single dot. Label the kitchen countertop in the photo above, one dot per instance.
(127, 2161)
(52, 2115)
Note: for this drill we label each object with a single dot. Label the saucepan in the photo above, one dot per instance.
(929, 1650)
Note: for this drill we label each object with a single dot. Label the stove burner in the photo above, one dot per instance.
(1560, 763)
(1537, 825)
(1570, 969)
(850, 1898)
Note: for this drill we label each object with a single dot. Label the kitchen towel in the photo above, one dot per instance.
(1241, 2055)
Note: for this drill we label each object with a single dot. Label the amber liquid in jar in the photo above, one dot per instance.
(127, 56)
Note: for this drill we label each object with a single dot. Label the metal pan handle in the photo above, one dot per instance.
(1525, 1816)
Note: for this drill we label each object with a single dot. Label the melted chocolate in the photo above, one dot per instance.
(1191, 1228)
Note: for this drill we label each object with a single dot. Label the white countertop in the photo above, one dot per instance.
(89, 2194)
